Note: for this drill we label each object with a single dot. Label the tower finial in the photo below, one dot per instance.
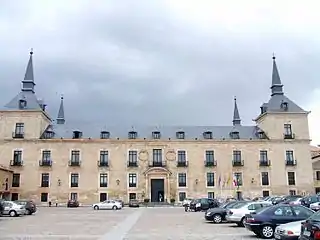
(273, 56)
(236, 116)
(31, 51)
(276, 86)
(28, 81)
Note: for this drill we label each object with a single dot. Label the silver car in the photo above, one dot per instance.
(108, 204)
(288, 230)
(12, 209)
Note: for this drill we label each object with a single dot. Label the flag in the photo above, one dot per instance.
(224, 181)
(235, 181)
(219, 181)
(229, 179)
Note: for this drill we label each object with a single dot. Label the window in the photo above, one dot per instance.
(207, 135)
(16, 180)
(77, 135)
(264, 178)
(283, 211)
(211, 195)
(182, 196)
(263, 156)
(210, 156)
(302, 212)
(182, 156)
(180, 135)
(289, 156)
(103, 180)
(133, 156)
(44, 197)
(237, 156)
(45, 180)
(284, 106)
(74, 180)
(157, 155)
(19, 130)
(74, 196)
(235, 135)
(317, 175)
(265, 193)
(291, 179)
(46, 156)
(132, 196)
(104, 156)
(237, 181)
(132, 135)
(17, 156)
(103, 197)
(14, 196)
(75, 156)
(104, 135)
(287, 130)
(292, 192)
(132, 180)
(182, 179)
(156, 135)
(210, 179)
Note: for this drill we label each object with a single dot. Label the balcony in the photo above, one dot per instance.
(157, 164)
(264, 163)
(211, 163)
(74, 163)
(237, 163)
(74, 184)
(18, 135)
(45, 163)
(17, 163)
(132, 164)
(45, 184)
(103, 164)
(289, 136)
(291, 162)
(15, 184)
(182, 164)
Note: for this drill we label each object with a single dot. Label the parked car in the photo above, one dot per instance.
(134, 203)
(315, 206)
(201, 204)
(237, 214)
(293, 201)
(120, 201)
(218, 215)
(186, 202)
(288, 231)
(307, 201)
(264, 222)
(108, 204)
(286, 198)
(1, 207)
(310, 229)
(29, 205)
(12, 209)
(72, 203)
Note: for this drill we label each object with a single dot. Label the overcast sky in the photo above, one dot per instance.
(175, 62)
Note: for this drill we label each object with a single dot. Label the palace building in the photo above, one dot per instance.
(54, 159)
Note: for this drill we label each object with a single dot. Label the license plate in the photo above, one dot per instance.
(276, 236)
(306, 233)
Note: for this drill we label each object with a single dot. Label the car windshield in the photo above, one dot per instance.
(239, 205)
(21, 202)
(315, 217)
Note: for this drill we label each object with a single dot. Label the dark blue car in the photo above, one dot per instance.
(264, 222)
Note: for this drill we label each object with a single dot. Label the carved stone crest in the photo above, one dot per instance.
(143, 155)
(171, 155)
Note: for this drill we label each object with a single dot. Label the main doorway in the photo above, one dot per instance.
(157, 190)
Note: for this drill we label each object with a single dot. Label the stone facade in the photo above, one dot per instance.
(5, 182)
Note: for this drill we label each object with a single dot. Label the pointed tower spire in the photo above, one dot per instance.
(276, 87)
(236, 116)
(60, 118)
(28, 81)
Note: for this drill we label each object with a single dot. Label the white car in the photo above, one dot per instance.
(12, 209)
(237, 214)
(315, 206)
(108, 204)
(288, 230)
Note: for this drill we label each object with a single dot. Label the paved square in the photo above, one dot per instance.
(130, 224)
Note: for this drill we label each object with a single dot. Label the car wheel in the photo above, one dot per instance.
(267, 231)
(28, 212)
(96, 207)
(114, 208)
(217, 218)
(243, 221)
(12, 213)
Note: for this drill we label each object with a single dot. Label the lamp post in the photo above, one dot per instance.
(59, 185)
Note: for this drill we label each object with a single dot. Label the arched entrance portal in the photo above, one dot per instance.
(158, 184)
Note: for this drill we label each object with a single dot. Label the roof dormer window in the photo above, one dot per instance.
(104, 135)
(48, 135)
(235, 134)
(156, 135)
(22, 103)
(132, 135)
(261, 134)
(284, 106)
(207, 135)
(77, 135)
(180, 135)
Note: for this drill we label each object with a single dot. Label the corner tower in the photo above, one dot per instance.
(25, 115)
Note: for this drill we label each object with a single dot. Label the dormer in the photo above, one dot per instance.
(180, 135)
(284, 106)
(132, 135)
(261, 134)
(156, 135)
(263, 108)
(104, 135)
(207, 135)
(22, 103)
(76, 134)
(234, 134)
